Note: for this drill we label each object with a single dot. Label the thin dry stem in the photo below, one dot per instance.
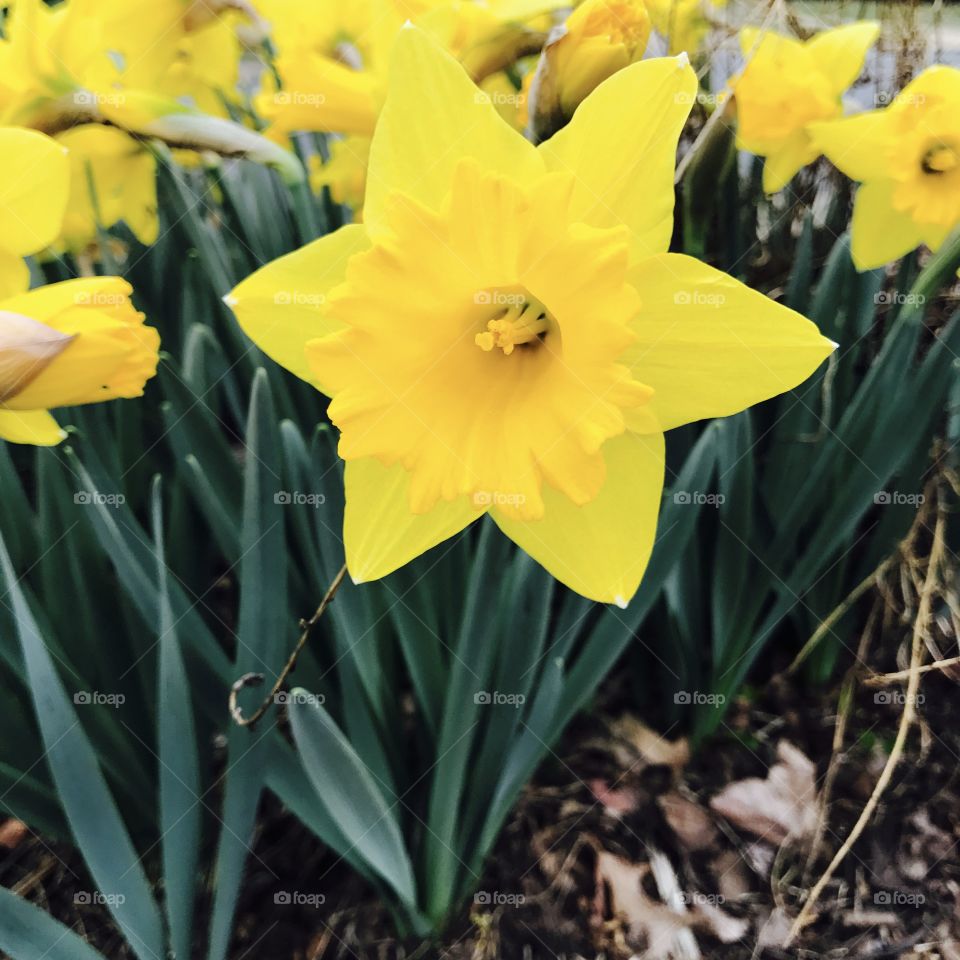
(255, 679)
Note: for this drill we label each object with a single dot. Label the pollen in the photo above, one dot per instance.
(519, 321)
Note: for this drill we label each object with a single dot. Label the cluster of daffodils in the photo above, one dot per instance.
(69, 343)
(501, 330)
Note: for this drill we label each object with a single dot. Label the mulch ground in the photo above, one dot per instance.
(630, 844)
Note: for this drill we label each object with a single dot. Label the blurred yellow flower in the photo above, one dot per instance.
(345, 173)
(34, 178)
(682, 23)
(70, 343)
(907, 156)
(508, 336)
(599, 38)
(788, 84)
(112, 178)
(332, 56)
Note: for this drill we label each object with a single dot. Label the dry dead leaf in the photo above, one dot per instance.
(731, 875)
(665, 932)
(12, 833)
(650, 745)
(689, 821)
(781, 806)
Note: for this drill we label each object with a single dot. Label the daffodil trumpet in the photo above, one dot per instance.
(506, 335)
(907, 159)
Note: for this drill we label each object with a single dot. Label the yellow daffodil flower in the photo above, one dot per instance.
(34, 174)
(112, 178)
(907, 157)
(599, 38)
(788, 84)
(69, 343)
(332, 56)
(682, 23)
(505, 334)
(345, 173)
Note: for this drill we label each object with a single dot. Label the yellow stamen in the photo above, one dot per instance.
(940, 159)
(523, 321)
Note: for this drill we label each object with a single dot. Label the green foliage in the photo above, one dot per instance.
(159, 593)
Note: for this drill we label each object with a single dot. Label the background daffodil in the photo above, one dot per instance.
(34, 179)
(907, 156)
(76, 342)
(506, 334)
(788, 84)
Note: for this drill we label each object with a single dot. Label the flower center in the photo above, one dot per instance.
(518, 320)
(940, 158)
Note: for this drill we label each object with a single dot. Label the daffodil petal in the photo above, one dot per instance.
(14, 275)
(380, 531)
(710, 346)
(857, 146)
(34, 183)
(600, 549)
(30, 426)
(781, 166)
(626, 132)
(284, 304)
(840, 52)
(880, 233)
(434, 117)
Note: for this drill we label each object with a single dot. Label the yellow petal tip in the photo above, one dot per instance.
(620, 602)
(230, 300)
(683, 60)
